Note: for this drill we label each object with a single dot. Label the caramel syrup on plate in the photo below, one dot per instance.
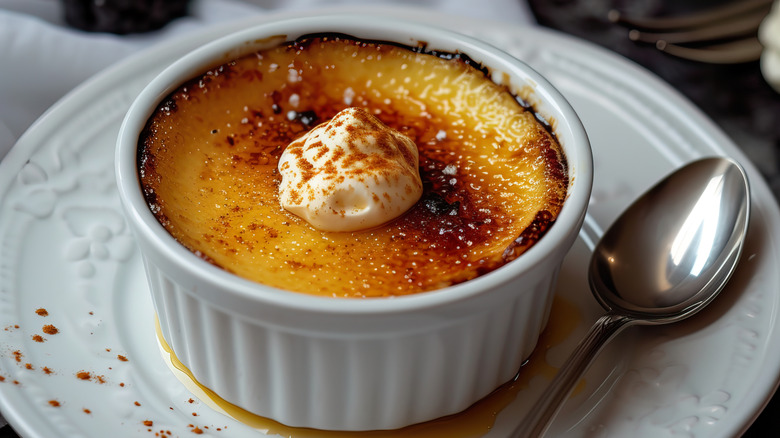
(475, 421)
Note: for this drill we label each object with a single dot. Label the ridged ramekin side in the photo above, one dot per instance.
(357, 382)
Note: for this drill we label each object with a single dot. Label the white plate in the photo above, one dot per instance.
(64, 246)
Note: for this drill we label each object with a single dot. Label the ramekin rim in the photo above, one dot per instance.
(579, 158)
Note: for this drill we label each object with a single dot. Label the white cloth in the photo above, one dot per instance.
(769, 35)
(41, 59)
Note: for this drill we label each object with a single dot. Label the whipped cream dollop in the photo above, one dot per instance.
(769, 35)
(350, 173)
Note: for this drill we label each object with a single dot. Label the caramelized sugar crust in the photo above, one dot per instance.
(494, 178)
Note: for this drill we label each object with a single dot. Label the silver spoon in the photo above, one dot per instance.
(661, 261)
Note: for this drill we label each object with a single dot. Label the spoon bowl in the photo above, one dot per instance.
(674, 249)
(664, 259)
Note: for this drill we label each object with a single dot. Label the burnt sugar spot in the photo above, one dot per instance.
(538, 228)
(448, 214)
(252, 75)
(438, 206)
(276, 101)
(308, 118)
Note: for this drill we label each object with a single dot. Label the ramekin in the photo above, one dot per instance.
(353, 364)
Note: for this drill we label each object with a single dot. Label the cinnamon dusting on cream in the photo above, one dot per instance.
(351, 173)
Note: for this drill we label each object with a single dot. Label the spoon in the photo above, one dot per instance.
(664, 259)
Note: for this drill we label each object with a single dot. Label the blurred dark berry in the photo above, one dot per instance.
(122, 16)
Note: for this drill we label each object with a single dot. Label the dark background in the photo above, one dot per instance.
(736, 97)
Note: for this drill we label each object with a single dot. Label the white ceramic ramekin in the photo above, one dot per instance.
(352, 364)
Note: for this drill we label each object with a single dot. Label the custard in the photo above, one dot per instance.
(494, 177)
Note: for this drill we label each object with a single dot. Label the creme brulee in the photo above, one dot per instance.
(494, 178)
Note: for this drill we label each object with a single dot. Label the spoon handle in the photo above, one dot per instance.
(540, 416)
